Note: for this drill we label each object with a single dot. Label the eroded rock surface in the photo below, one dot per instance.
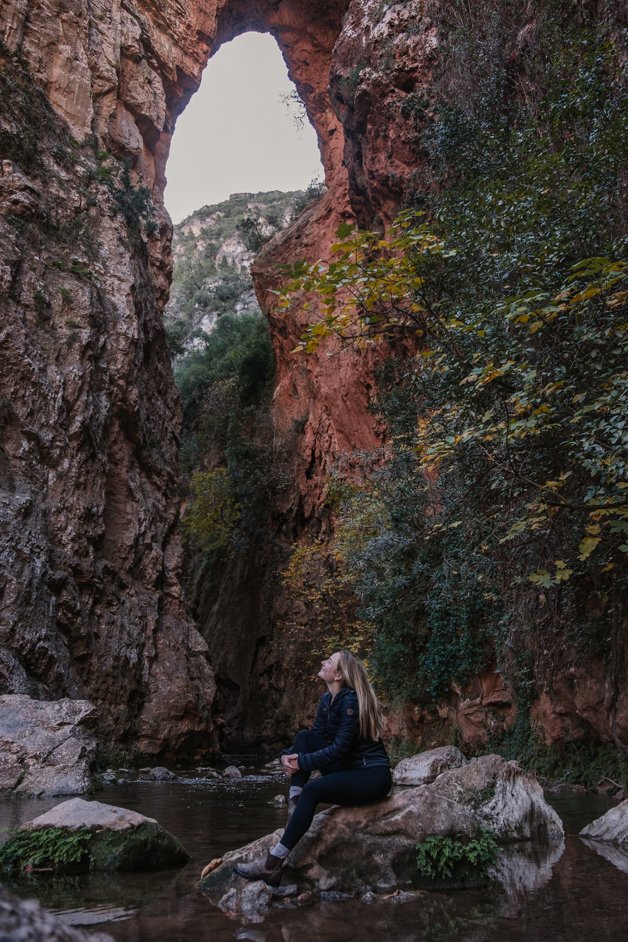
(354, 849)
(46, 748)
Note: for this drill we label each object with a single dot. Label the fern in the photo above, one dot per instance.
(44, 847)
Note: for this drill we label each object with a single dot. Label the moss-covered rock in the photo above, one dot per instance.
(79, 836)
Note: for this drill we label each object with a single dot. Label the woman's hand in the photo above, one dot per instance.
(290, 763)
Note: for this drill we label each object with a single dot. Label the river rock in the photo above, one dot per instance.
(232, 771)
(25, 921)
(46, 747)
(158, 774)
(349, 850)
(611, 828)
(250, 900)
(426, 766)
(121, 839)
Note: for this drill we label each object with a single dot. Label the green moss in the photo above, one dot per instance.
(146, 848)
(62, 850)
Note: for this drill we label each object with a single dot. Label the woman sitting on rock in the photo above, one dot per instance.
(345, 745)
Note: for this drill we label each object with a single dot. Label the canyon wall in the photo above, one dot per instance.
(89, 553)
(90, 557)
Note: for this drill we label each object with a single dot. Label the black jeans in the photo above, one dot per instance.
(337, 786)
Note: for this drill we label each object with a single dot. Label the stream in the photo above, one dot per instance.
(580, 896)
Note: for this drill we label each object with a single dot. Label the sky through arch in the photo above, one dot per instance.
(237, 135)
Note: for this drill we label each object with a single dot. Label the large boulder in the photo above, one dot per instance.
(611, 828)
(84, 835)
(374, 847)
(46, 747)
(26, 921)
(426, 766)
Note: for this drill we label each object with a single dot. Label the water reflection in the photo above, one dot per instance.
(563, 894)
(616, 856)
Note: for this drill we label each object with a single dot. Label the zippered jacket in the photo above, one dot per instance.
(338, 722)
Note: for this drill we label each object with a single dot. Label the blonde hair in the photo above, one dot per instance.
(354, 675)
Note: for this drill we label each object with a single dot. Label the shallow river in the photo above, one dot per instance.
(578, 896)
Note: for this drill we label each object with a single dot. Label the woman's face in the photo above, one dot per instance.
(329, 669)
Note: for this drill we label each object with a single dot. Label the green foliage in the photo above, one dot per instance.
(447, 858)
(214, 513)
(134, 203)
(44, 847)
(313, 192)
(494, 526)
(583, 761)
(228, 450)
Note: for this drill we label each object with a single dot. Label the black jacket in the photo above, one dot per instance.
(338, 722)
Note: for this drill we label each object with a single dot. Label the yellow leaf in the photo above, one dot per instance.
(587, 546)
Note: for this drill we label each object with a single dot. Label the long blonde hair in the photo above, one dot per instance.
(354, 675)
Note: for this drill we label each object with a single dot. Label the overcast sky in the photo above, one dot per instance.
(236, 135)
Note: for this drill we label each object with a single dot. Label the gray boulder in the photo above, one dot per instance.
(611, 828)
(26, 921)
(374, 847)
(112, 839)
(426, 766)
(46, 747)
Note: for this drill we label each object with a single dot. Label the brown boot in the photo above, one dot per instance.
(269, 871)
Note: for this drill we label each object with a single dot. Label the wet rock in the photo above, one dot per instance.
(426, 766)
(119, 839)
(611, 828)
(206, 771)
(158, 774)
(232, 771)
(47, 747)
(279, 801)
(349, 850)
(25, 921)
(248, 899)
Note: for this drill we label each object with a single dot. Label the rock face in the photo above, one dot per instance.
(347, 849)
(90, 557)
(27, 921)
(46, 748)
(118, 839)
(212, 252)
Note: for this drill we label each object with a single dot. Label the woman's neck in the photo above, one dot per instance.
(334, 687)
